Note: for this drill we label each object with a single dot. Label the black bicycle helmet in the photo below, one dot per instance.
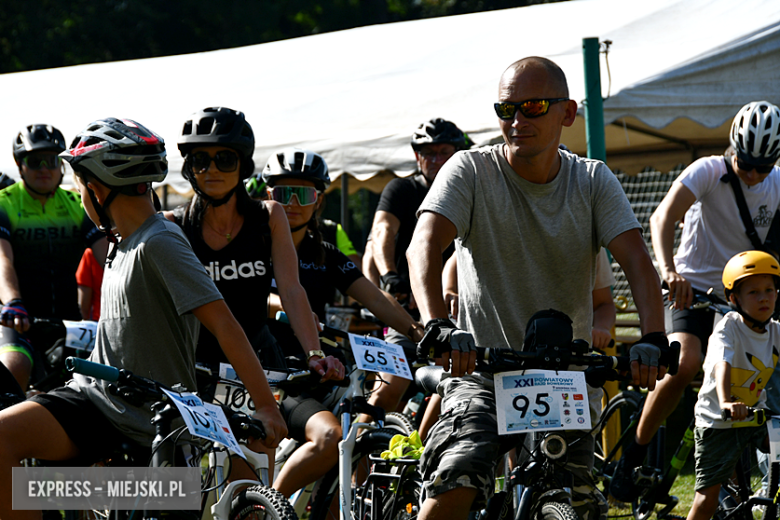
(439, 131)
(218, 126)
(755, 133)
(37, 138)
(297, 164)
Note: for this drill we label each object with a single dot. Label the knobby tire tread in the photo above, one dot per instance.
(556, 511)
(262, 503)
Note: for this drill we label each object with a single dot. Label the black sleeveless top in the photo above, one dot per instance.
(242, 273)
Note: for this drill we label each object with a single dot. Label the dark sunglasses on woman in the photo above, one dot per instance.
(224, 160)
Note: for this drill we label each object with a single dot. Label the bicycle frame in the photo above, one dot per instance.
(224, 494)
(356, 388)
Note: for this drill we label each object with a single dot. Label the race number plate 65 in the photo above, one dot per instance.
(375, 355)
(541, 400)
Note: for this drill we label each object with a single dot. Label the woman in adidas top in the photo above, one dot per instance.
(217, 145)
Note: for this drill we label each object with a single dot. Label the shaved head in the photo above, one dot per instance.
(556, 79)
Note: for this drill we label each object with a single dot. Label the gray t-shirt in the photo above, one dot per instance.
(525, 247)
(146, 325)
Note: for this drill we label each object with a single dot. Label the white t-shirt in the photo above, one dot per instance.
(604, 275)
(713, 231)
(752, 356)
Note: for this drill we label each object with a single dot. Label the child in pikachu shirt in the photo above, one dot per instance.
(741, 357)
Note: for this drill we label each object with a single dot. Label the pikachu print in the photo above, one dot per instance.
(746, 384)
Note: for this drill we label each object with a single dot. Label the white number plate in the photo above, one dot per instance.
(236, 396)
(773, 426)
(375, 355)
(541, 400)
(205, 420)
(80, 334)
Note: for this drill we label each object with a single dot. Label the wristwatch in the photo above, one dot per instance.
(317, 352)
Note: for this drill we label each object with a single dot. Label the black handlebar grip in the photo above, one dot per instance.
(88, 368)
(674, 358)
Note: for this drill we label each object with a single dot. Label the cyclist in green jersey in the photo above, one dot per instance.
(43, 233)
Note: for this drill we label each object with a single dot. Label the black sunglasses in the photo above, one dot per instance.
(761, 169)
(224, 160)
(530, 109)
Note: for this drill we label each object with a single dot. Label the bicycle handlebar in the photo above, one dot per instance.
(755, 417)
(138, 390)
(89, 368)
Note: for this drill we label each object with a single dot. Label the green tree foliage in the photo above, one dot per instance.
(56, 33)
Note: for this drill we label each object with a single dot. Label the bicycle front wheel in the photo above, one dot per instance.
(261, 503)
(616, 417)
(556, 511)
(400, 422)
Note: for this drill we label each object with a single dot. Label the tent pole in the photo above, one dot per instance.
(345, 202)
(594, 105)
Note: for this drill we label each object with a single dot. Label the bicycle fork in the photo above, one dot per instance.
(347, 445)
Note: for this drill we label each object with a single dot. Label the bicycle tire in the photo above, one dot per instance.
(400, 422)
(628, 403)
(373, 441)
(556, 511)
(261, 503)
(773, 478)
(403, 503)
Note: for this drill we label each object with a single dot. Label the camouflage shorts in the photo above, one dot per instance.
(463, 448)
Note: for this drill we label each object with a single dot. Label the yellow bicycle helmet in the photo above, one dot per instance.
(749, 263)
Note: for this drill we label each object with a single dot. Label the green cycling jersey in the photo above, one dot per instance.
(47, 243)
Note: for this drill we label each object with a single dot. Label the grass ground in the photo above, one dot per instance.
(683, 489)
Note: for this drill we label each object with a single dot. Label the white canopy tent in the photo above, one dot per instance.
(678, 69)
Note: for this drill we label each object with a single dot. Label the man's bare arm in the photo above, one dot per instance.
(383, 233)
(432, 235)
(630, 251)
(662, 226)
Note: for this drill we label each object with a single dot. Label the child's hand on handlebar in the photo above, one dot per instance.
(329, 368)
(601, 338)
(739, 411)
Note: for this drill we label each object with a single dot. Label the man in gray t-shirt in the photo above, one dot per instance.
(528, 221)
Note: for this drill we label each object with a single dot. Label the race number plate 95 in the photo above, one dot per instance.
(541, 400)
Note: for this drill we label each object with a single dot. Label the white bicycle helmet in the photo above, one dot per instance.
(296, 163)
(755, 133)
(118, 152)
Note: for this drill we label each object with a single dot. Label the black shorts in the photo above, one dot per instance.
(698, 322)
(95, 436)
(297, 411)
